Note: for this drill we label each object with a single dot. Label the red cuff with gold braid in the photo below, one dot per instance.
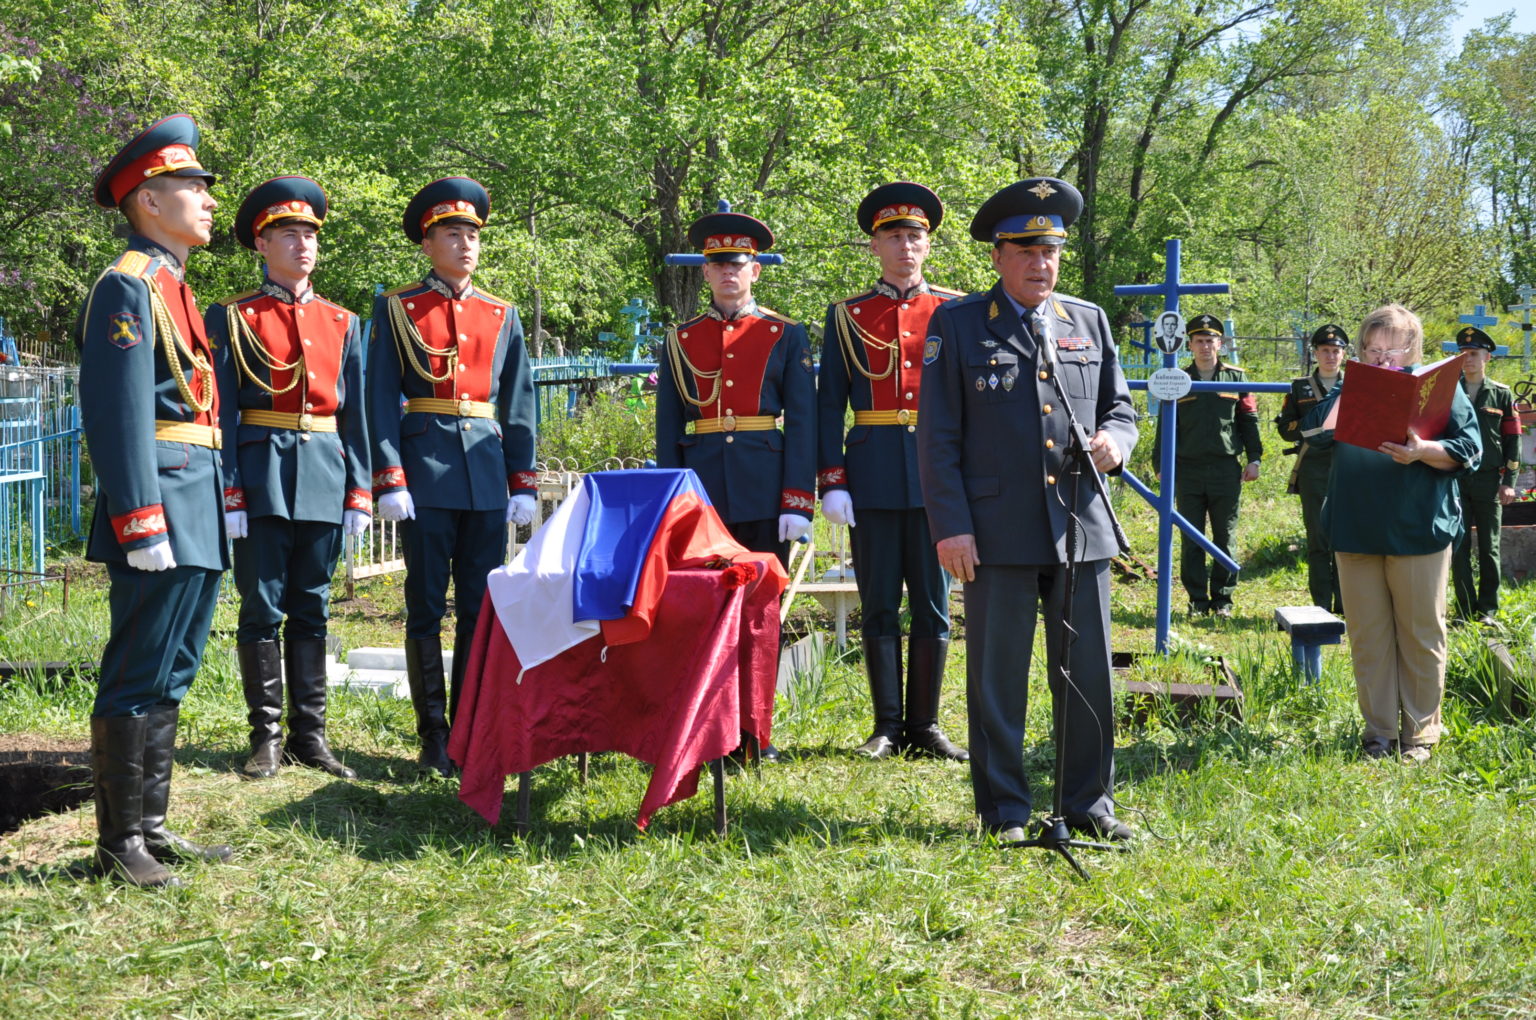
(797, 499)
(145, 522)
(387, 479)
(832, 478)
(521, 480)
(234, 499)
(359, 499)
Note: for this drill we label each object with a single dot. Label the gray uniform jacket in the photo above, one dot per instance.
(991, 436)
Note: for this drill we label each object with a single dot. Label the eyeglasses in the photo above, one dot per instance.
(1396, 352)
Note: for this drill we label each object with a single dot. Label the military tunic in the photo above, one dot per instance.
(1499, 426)
(1309, 480)
(294, 407)
(461, 443)
(872, 359)
(736, 403)
(149, 408)
(991, 443)
(1215, 430)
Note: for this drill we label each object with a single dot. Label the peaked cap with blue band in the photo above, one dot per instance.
(900, 204)
(168, 147)
(1034, 211)
(452, 198)
(279, 200)
(729, 236)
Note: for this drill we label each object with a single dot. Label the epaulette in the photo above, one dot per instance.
(947, 292)
(855, 297)
(321, 299)
(492, 297)
(765, 312)
(236, 299)
(1069, 299)
(692, 321)
(133, 263)
(403, 288)
(1495, 384)
(973, 298)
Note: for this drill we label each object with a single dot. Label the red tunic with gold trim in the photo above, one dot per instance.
(292, 367)
(149, 405)
(465, 435)
(736, 403)
(872, 359)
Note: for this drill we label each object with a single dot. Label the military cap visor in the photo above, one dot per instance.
(446, 200)
(1330, 336)
(168, 147)
(1204, 324)
(901, 204)
(1034, 211)
(729, 237)
(280, 200)
(1470, 338)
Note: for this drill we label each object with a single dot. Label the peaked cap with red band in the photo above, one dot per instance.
(168, 147)
(729, 236)
(279, 200)
(452, 198)
(901, 204)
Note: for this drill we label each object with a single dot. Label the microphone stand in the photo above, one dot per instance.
(1053, 834)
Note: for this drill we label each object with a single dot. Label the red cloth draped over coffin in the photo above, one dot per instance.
(675, 693)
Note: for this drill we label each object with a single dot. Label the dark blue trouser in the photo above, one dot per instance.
(889, 547)
(284, 568)
(465, 545)
(1001, 608)
(160, 622)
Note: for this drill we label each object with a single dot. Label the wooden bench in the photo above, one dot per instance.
(1310, 627)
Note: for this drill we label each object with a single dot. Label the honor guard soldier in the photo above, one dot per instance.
(1488, 489)
(872, 358)
(1215, 429)
(991, 446)
(456, 465)
(1309, 477)
(149, 406)
(295, 472)
(732, 374)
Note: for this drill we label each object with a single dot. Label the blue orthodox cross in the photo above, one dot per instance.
(1526, 292)
(1171, 289)
(1483, 321)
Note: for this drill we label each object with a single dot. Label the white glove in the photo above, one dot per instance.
(792, 527)
(520, 509)
(236, 524)
(397, 506)
(837, 507)
(152, 557)
(355, 522)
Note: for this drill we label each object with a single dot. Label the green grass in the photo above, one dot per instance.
(1280, 875)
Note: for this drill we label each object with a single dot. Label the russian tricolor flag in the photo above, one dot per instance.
(600, 564)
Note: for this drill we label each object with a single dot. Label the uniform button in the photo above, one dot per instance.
(1050, 444)
(338, 316)
(684, 334)
(301, 313)
(905, 306)
(1050, 479)
(911, 428)
(308, 342)
(1044, 374)
(730, 439)
(773, 329)
(730, 382)
(466, 426)
(250, 311)
(730, 329)
(1082, 357)
(729, 411)
(856, 311)
(458, 307)
(462, 338)
(461, 368)
(498, 313)
(303, 437)
(906, 364)
(906, 332)
(309, 407)
(410, 305)
(909, 396)
(728, 354)
(311, 375)
(1046, 409)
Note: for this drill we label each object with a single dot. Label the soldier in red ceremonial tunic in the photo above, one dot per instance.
(296, 470)
(872, 358)
(736, 398)
(149, 406)
(455, 465)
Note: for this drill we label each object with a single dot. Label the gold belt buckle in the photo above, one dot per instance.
(728, 423)
(306, 422)
(903, 416)
(464, 407)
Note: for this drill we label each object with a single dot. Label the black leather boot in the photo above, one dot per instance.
(261, 675)
(882, 661)
(925, 675)
(424, 670)
(305, 660)
(159, 750)
(117, 768)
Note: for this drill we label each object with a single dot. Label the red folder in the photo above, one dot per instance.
(1379, 405)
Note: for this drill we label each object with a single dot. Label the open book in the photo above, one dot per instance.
(1380, 405)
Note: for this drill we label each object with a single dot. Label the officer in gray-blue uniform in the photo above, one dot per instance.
(149, 407)
(872, 359)
(991, 440)
(455, 465)
(296, 472)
